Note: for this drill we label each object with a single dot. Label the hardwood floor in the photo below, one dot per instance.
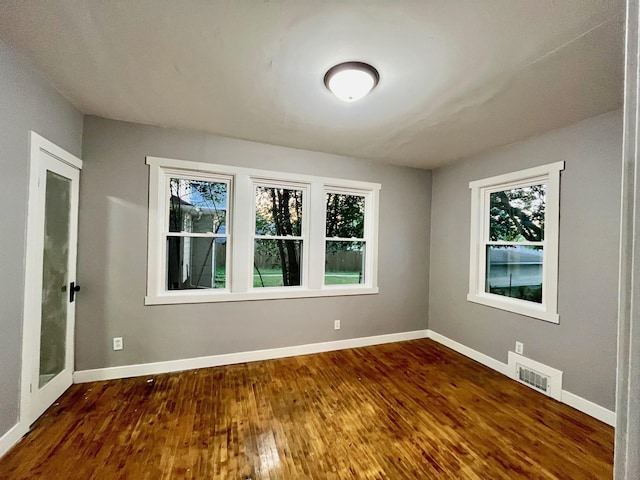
(412, 410)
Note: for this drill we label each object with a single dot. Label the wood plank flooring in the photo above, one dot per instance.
(413, 410)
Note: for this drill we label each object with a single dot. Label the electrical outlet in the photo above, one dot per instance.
(519, 348)
(117, 343)
(336, 324)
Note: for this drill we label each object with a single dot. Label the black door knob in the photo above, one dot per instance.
(73, 288)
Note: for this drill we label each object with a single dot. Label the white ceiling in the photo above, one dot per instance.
(456, 77)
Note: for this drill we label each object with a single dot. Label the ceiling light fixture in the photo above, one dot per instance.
(351, 81)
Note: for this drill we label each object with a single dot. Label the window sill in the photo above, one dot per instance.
(226, 296)
(516, 306)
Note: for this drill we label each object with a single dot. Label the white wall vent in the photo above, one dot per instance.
(536, 375)
(533, 378)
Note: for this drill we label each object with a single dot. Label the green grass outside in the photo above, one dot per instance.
(273, 278)
(270, 278)
(342, 278)
(531, 293)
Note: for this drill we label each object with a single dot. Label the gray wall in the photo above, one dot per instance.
(27, 102)
(583, 345)
(113, 241)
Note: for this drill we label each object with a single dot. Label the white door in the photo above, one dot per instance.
(50, 277)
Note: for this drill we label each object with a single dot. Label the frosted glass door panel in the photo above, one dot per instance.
(55, 277)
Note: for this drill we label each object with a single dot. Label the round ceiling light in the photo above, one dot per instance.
(351, 81)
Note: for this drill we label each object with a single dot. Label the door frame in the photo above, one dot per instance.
(33, 271)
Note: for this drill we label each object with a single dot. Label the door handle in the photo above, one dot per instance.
(73, 288)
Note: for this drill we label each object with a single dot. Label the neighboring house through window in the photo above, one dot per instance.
(197, 236)
(514, 241)
(222, 233)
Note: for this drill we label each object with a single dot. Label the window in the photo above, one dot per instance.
(278, 238)
(196, 233)
(222, 233)
(514, 241)
(345, 243)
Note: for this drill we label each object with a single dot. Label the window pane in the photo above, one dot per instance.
(517, 215)
(515, 271)
(196, 263)
(344, 263)
(277, 263)
(345, 215)
(278, 211)
(55, 277)
(197, 206)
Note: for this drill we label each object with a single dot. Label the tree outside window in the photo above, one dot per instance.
(345, 244)
(513, 258)
(515, 249)
(222, 233)
(278, 241)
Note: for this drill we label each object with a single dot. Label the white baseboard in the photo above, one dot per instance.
(126, 371)
(585, 406)
(112, 373)
(596, 411)
(470, 352)
(12, 437)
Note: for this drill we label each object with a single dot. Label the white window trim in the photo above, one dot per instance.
(370, 260)
(304, 237)
(480, 190)
(169, 173)
(240, 218)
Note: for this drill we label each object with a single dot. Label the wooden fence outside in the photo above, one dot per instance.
(343, 261)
